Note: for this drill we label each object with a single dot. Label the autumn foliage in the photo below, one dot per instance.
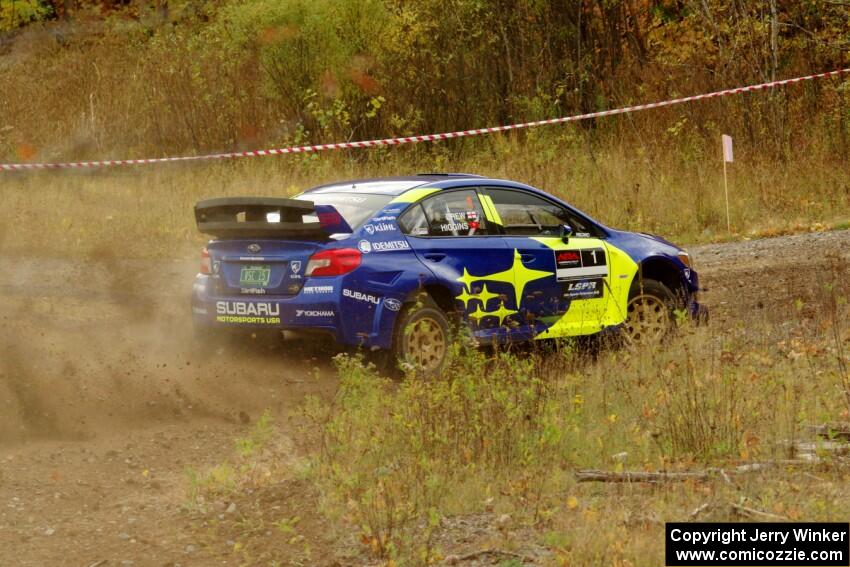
(108, 79)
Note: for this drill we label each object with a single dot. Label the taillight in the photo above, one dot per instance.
(333, 262)
(206, 267)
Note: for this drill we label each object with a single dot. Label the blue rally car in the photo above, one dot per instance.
(393, 263)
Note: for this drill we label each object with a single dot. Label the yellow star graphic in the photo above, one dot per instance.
(478, 314)
(485, 296)
(502, 313)
(465, 297)
(517, 275)
(466, 279)
(523, 276)
(506, 276)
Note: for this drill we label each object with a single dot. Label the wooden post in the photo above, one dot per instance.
(726, 192)
(726, 144)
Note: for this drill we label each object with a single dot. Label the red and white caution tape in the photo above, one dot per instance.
(421, 138)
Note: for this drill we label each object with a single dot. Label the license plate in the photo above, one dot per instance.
(255, 276)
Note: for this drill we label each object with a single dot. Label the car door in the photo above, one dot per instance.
(562, 286)
(451, 235)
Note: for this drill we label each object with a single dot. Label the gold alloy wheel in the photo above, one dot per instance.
(648, 320)
(426, 345)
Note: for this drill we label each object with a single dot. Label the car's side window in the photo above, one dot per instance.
(413, 221)
(525, 214)
(448, 213)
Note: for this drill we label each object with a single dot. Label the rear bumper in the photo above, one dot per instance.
(348, 321)
(296, 312)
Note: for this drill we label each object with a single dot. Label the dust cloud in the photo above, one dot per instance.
(107, 343)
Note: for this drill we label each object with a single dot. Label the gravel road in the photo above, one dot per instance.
(105, 403)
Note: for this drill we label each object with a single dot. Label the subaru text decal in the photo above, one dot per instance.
(360, 296)
(265, 313)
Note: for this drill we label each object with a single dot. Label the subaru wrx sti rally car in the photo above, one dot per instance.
(390, 263)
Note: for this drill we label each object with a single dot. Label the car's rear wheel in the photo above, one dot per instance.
(422, 337)
(650, 314)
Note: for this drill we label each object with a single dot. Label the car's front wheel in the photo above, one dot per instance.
(422, 337)
(650, 317)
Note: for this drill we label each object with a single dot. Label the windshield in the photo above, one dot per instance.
(355, 208)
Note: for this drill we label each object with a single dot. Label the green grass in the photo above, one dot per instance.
(507, 432)
(147, 211)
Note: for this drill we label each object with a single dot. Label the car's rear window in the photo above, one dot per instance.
(355, 208)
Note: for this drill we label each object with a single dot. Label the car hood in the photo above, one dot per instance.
(640, 245)
(657, 238)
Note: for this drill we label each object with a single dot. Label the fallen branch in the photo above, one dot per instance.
(753, 513)
(812, 448)
(455, 559)
(592, 475)
(831, 430)
(606, 476)
(699, 510)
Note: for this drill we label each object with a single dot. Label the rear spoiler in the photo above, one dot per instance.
(267, 217)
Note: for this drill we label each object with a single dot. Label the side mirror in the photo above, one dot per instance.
(566, 232)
